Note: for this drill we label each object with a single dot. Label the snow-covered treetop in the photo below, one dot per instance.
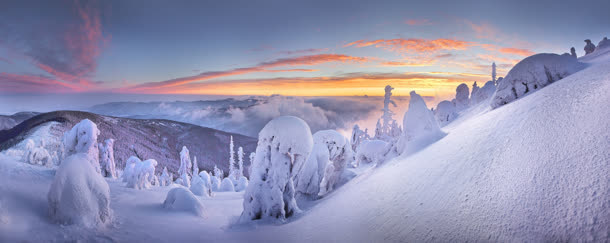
(82, 138)
(418, 119)
(295, 134)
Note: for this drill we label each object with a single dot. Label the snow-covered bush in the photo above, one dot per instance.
(533, 73)
(201, 187)
(284, 142)
(107, 158)
(227, 185)
(339, 155)
(371, 151)
(79, 194)
(82, 138)
(242, 184)
(181, 199)
(38, 155)
(143, 175)
(166, 178)
(130, 166)
(461, 97)
(185, 167)
(445, 112)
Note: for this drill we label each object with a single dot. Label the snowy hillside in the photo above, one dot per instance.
(535, 169)
(159, 139)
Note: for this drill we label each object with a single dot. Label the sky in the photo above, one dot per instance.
(293, 48)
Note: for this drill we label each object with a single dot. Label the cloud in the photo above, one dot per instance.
(302, 52)
(66, 48)
(484, 30)
(414, 45)
(261, 67)
(410, 63)
(516, 51)
(418, 22)
(23, 83)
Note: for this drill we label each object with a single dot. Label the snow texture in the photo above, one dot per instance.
(182, 200)
(283, 143)
(372, 151)
(82, 138)
(107, 162)
(79, 194)
(534, 73)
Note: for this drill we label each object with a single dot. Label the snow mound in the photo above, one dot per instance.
(284, 142)
(445, 112)
(181, 199)
(227, 185)
(78, 194)
(534, 73)
(82, 138)
(242, 184)
(201, 187)
(372, 151)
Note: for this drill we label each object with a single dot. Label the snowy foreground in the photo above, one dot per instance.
(536, 169)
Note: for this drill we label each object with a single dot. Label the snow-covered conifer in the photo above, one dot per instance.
(185, 167)
(240, 162)
(461, 97)
(227, 185)
(107, 162)
(82, 138)
(166, 178)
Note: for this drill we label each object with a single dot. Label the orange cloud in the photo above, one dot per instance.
(411, 63)
(262, 67)
(418, 22)
(33, 83)
(414, 45)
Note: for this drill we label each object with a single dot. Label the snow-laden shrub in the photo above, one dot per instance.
(307, 183)
(483, 93)
(284, 142)
(461, 97)
(143, 175)
(182, 199)
(339, 152)
(40, 156)
(227, 185)
(166, 178)
(242, 184)
(445, 112)
(200, 187)
(107, 162)
(215, 182)
(371, 151)
(534, 73)
(79, 194)
(130, 166)
(82, 138)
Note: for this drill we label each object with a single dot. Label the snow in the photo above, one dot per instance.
(372, 151)
(533, 170)
(445, 112)
(78, 194)
(534, 73)
(419, 125)
(185, 167)
(227, 185)
(181, 199)
(107, 162)
(307, 180)
(130, 166)
(339, 153)
(143, 175)
(166, 178)
(242, 184)
(82, 138)
(284, 142)
(461, 97)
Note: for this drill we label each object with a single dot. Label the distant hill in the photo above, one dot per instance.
(148, 139)
(8, 122)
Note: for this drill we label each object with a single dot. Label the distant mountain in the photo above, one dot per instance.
(156, 139)
(8, 122)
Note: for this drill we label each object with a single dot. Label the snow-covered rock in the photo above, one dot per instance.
(227, 185)
(82, 138)
(242, 184)
(372, 151)
(284, 142)
(533, 73)
(182, 199)
(143, 175)
(445, 112)
(79, 194)
(107, 162)
(461, 97)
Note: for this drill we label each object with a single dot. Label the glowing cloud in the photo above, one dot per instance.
(414, 45)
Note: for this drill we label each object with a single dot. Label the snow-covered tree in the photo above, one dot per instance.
(130, 166)
(242, 184)
(200, 185)
(461, 97)
(252, 155)
(195, 167)
(445, 112)
(371, 151)
(307, 181)
(532, 74)
(573, 52)
(589, 47)
(493, 72)
(143, 175)
(232, 165)
(227, 185)
(37, 155)
(240, 162)
(387, 113)
(218, 173)
(79, 194)
(107, 158)
(166, 178)
(283, 144)
(357, 137)
(82, 138)
(419, 126)
(185, 167)
(182, 199)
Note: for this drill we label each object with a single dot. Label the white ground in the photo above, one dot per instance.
(536, 169)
